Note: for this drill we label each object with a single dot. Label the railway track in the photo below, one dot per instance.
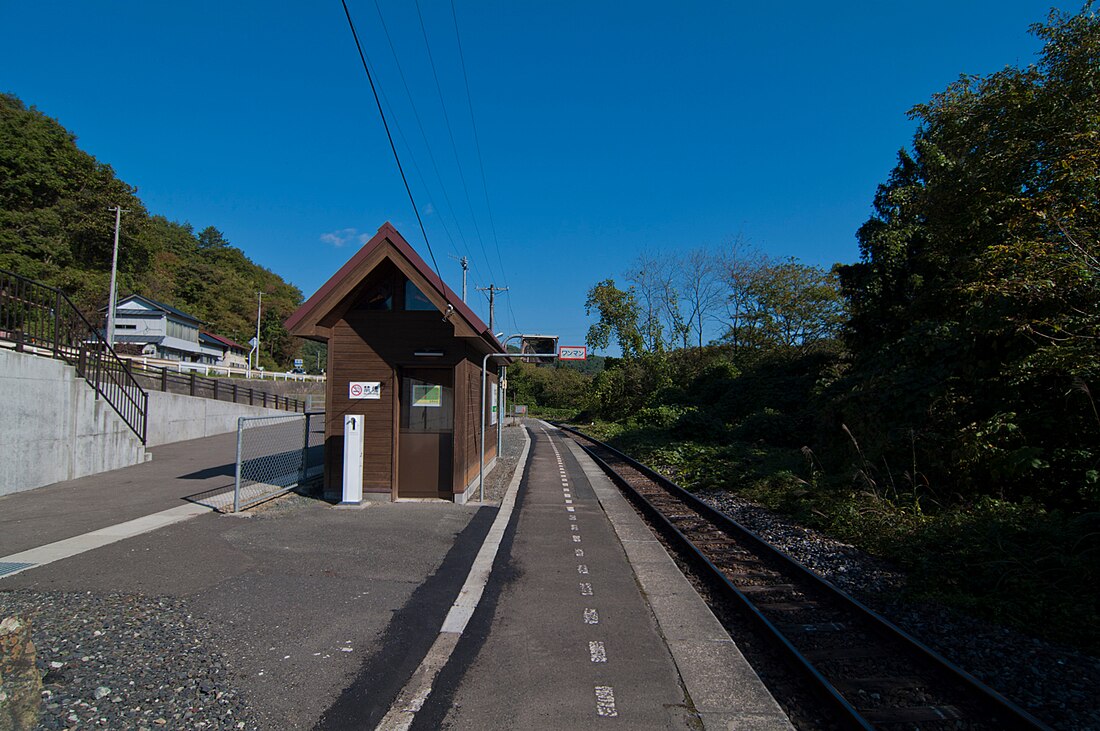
(869, 672)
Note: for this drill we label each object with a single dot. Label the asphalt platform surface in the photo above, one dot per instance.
(298, 598)
(315, 617)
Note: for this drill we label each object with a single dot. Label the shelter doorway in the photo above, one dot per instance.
(425, 442)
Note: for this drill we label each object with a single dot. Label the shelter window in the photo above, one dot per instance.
(379, 297)
(415, 299)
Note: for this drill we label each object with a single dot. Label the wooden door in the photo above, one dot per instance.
(425, 442)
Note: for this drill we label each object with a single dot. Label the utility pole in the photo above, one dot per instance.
(492, 290)
(259, 309)
(114, 269)
(465, 267)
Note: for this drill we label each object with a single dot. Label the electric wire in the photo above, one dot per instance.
(416, 167)
(423, 134)
(481, 161)
(393, 148)
(477, 138)
(412, 158)
(450, 132)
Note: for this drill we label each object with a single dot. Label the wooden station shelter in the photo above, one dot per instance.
(405, 352)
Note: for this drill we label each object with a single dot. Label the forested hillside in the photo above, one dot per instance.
(55, 227)
(934, 402)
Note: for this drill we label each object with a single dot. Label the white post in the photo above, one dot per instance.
(353, 459)
(501, 380)
(259, 309)
(114, 270)
(481, 466)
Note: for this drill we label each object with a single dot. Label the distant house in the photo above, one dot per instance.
(161, 330)
(223, 351)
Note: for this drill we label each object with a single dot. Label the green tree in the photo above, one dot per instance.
(976, 306)
(618, 313)
(547, 385)
(55, 227)
(54, 220)
(781, 305)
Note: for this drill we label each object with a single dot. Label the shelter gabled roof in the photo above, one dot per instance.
(309, 320)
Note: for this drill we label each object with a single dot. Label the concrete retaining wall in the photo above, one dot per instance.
(52, 427)
(175, 418)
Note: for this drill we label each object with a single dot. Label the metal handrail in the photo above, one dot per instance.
(161, 378)
(42, 319)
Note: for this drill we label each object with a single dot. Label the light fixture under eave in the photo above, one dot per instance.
(428, 353)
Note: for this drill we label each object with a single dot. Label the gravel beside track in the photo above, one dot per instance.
(124, 661)
(1055, 683)
(496, 482)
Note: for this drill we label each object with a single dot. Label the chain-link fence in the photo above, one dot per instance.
(276, 454)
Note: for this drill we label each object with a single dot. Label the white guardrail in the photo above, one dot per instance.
(207, 369)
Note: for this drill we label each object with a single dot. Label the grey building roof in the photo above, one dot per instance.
(156, 306)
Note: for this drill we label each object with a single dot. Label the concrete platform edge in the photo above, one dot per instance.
(411, 699)
(725, 690)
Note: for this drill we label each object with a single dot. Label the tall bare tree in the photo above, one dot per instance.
(653, 280)
(702, 292)
(741, 269)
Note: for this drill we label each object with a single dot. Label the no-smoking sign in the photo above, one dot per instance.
(365, 389)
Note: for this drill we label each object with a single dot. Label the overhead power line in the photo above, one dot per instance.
(480, 159)
(393, 148)
(450, 132)
(423, 134)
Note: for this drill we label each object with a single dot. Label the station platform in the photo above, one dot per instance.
(327, 618)
(586, 621)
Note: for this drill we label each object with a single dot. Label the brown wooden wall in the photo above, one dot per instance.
(371, 345)
(470, 446)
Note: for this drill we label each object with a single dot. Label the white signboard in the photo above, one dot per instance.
(572, 352)
(365, 389)
(493, 408)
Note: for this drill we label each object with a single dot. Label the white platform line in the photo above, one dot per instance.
(104, 536)
(412, 697)
(605, 701)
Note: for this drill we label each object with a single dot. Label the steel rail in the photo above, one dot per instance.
(1005, 709)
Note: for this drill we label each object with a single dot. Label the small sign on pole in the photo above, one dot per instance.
(493, 405)
(573, 352)
(545, 346)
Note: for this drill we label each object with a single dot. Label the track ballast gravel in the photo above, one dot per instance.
(1055, 683)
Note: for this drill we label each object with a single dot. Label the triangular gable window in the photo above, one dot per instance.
(415, 299)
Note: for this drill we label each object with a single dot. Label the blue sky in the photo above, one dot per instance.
(605, 128)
